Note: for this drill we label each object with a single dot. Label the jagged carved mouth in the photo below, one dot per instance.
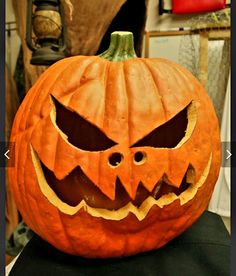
(158, 197)
(76, 187)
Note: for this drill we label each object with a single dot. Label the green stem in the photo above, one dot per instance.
(121, 47)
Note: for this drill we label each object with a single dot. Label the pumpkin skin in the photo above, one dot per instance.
(126, 98)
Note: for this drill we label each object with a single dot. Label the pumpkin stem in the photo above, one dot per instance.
(121, 47)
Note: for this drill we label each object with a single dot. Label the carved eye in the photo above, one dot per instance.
(170, 134)
(80, 133)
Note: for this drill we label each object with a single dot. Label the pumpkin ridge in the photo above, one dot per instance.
(66, 233)
(130, 190)
(69, 91)
(74, 61)
(56, 66)
(38, 86)
(36, 224)
(91, 93)
(156, 72)
(41, 221)
(126, 87)
(17, 124)
(41, 142)
(185, 75)
(161, 99)
(143, 60)
(22, 188)
(105, 104)
(179, 77)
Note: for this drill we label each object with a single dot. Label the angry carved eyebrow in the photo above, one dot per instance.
(169, 134)
(80, 132)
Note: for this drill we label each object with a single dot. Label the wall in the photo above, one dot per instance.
(12, 39)
(155, 22)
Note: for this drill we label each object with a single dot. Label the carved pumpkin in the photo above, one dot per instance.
(114, 154)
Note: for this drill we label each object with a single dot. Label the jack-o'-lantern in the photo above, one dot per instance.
(114, 154)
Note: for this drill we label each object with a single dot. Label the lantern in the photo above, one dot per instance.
(48, 46)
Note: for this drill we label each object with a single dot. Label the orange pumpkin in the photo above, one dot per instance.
(114, 154)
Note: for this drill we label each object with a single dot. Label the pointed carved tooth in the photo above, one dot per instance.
(176, 173)
(152, 169)
(130, 185)
(107, 186)
(167, 180)
(157, 188)
(149, 176)
(178, 165)
(190, 176)
(97, 171)
(199, 166)
(150, 181)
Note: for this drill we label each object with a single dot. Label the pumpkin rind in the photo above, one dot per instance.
(126, 100)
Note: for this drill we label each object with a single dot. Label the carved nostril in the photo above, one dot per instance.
(115, 159)
(140, 157)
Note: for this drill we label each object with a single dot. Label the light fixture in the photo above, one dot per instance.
(45, 35)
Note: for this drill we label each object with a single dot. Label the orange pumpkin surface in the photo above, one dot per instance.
(114, 154)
